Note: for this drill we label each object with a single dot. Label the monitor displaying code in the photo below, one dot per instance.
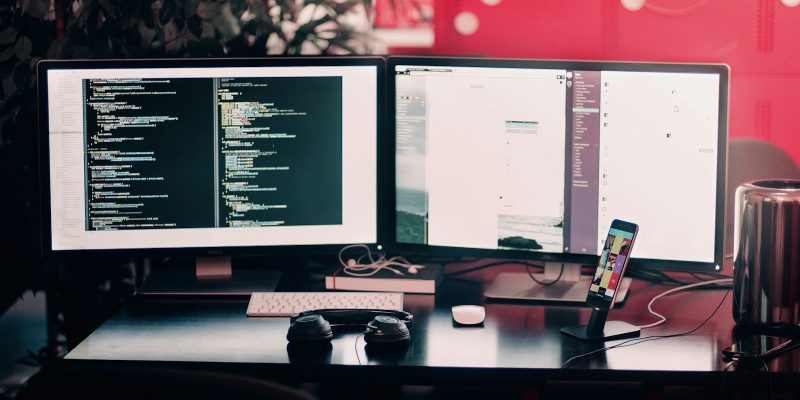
(212, 156)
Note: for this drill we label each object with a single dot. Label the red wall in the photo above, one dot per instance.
(759, 39)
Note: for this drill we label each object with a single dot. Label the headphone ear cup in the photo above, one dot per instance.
(310, 329)
(384, 330)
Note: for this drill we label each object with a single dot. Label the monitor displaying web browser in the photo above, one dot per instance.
(534, 159)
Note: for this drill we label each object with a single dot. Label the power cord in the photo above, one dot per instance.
(632, 342)
(662, 318)
(662, 278)
(489, 265)
(653, 276)
(525, 264)
(355, 347)
(769, 377)
(762, 358)
(370, 263)
(558, 278)
(443, 260)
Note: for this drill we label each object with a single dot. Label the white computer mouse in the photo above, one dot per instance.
(468, 314)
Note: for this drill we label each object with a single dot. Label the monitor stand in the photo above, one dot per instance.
(211, 276)
(571, 287)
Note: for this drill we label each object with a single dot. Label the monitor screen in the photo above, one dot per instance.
(535, 159)
(210, 154)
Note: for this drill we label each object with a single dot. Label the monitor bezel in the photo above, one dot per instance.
(44, 152)
(723, 70)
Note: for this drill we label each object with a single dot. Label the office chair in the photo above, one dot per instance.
(108, 381)
(751, 159)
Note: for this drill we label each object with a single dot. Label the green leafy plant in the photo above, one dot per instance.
(124, 28)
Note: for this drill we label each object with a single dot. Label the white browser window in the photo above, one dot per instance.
(658, 157)
(495, 151)
(545, 159)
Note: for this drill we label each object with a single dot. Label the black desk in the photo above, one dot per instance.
(518, 342)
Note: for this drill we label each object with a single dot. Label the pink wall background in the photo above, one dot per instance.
(759, 39)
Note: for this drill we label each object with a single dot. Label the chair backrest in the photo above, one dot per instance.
(751, 159)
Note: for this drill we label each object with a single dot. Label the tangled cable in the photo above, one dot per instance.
(370, 263)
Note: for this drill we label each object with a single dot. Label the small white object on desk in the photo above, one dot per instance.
(468, 314)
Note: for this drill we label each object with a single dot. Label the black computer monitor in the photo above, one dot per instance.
(534, 159)
(209, 157)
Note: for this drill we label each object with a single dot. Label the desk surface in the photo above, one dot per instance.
(517, 342)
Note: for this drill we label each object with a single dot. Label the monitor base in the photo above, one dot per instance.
(571, 288)
(212, 276)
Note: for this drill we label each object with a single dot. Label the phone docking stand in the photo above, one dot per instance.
(599, 329)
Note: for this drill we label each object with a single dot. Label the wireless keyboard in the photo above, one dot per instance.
(284, 304)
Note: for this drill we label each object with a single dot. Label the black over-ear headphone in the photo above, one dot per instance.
(383, 327)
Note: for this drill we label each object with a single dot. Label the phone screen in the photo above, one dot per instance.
(613, 258)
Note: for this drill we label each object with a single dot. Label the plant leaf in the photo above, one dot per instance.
(23, 47)
(8, 35)
(36, 8)
(7, 51)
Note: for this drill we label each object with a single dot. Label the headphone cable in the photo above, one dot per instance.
(355, 347)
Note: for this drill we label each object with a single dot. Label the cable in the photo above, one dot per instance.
(628, 342)
(699, 275)
(443, 260)
(377, 262)
(355, 347)
(658, 277)
(490, 265)
(670, 291)
(561, 272)
(762, 358)
(661, 277)
(728, 365)
(769, 377)
(722, 390)
(654, 276)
